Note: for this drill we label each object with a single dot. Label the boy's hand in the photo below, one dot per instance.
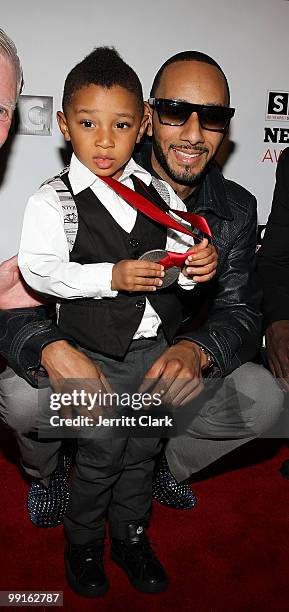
(202, 262)
(136, 275)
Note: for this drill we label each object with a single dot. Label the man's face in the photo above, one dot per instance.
(7, 96)
(103, 126)
(181, 153)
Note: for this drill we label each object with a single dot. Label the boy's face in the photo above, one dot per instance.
(103, 126)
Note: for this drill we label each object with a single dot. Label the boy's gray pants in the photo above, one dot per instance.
(242, 406)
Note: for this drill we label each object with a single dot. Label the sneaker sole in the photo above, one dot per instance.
(140, 586)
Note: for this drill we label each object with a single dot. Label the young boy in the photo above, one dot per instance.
(105, 308)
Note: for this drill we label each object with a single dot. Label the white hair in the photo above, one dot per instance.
(8, 49)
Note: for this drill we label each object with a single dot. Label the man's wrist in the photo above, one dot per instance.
(51, 350)
(193, 346)
(209, 359)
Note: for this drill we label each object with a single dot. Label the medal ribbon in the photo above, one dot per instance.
(153, 212)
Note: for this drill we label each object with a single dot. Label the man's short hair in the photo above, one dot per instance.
(187, 56)
(103, 67)
(9, 50)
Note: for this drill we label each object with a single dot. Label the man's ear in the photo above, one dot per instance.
(61, 119)
(149, 111)
(144, 123)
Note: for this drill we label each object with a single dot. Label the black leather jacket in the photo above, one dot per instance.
(231, 328)
(224, 313)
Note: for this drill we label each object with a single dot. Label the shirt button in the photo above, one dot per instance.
(133, 242)
(140, 304)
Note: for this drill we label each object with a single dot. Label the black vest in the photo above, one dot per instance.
(108, 325)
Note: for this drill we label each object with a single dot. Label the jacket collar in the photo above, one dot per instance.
(212, 195)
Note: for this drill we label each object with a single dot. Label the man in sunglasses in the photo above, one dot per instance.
(190, 114)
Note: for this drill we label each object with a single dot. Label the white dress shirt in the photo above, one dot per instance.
(44, 256)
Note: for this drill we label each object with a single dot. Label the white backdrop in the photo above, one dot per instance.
(249, 39)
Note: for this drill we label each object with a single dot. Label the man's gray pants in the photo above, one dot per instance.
(238, 408)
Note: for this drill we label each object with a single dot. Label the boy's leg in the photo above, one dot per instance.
(100, 463)
(103, 456)
(128, 517)
(132, 493)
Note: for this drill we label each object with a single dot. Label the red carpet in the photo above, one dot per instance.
(229, 554)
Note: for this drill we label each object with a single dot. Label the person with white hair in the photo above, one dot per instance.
(18, 399)
(11, 79)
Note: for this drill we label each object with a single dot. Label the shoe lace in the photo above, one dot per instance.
(92, 554)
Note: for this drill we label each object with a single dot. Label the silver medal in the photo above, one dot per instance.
(171, 274)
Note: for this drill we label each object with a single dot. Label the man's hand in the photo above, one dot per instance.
(71, 370)
(177, 373)
(136, 275)
(63, 361)
(277, 347)
(14, 293)
(202, 262)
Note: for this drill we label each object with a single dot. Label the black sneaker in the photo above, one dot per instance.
(48, 499)
(167, 491)
(136, 557)
(84, 569)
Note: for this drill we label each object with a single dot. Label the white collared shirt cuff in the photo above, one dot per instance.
(100, 276)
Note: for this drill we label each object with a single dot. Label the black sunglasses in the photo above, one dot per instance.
(175, 112)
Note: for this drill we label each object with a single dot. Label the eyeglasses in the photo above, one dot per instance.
(176, 113)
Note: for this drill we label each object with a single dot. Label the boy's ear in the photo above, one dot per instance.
(61, 119)
(149, 111)
(144, 123)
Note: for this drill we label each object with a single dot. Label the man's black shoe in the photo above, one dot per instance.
(136, 557)
(48, 499)
(167, 491)
(84, 569)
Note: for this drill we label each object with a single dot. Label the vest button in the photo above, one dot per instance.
(140, 304)
(133, 242)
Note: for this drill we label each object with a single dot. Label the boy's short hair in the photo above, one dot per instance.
(103, 67)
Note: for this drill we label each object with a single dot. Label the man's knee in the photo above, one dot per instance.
(260, 397)
(18, 402)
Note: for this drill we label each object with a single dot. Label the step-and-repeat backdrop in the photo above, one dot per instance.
(249, 39)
